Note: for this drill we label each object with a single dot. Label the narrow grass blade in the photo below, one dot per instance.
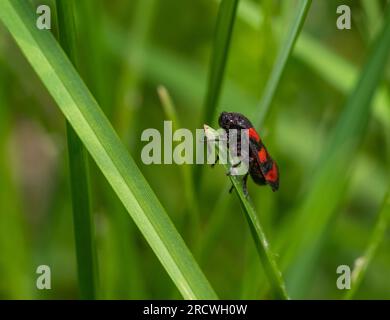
(262, 246)
(223, 35)
(78, 164)
(78, 105)
(82, 217)
(378, 235)
(280, 64)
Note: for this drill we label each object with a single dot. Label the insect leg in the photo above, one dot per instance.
(244, 185)
(216, 161)
(235, 165)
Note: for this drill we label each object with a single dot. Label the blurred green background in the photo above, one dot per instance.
(126, 50)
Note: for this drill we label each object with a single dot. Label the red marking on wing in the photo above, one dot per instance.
(262, 155)
(272, 175)
(254, 135)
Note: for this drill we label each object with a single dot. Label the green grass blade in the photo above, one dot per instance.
(258, 235)
(78, 105)
(281, 60)
(78, 165)
(223, 35)
(378, 235)
(82, 217)
(332, 173)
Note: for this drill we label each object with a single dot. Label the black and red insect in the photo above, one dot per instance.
(262, 168)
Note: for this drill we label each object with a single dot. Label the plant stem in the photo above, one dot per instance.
(281, 60)
(78, 165)
(223, 34)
